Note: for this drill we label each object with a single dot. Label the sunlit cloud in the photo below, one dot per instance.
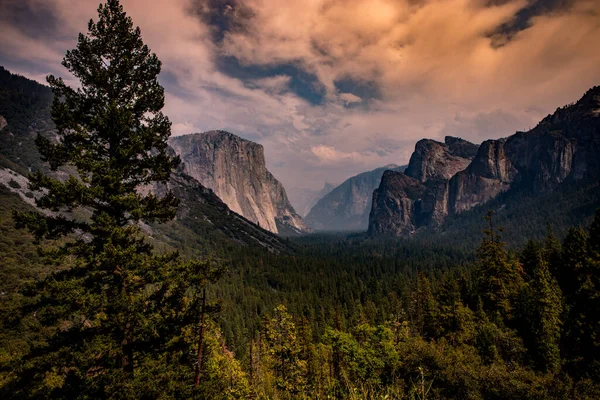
(333, 88)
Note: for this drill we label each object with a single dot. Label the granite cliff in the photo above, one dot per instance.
(451, 178)
(235, 169)
(433, 160)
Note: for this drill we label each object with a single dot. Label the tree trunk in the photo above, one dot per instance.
(127, 350)
(200, 339)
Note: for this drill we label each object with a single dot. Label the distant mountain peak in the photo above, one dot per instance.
(390, 166)
(347, 207)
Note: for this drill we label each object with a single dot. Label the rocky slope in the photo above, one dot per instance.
(347, 206)
(564, 147)
(235, 169)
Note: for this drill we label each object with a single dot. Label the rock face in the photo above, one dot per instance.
(347, 206)
(564, 146)
(203, 212)
(398, 196)
(234, 168)
(433, 160)
(403, 202)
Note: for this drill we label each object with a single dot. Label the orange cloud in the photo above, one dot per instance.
(438, 66)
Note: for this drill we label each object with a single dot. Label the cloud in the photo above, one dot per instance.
(349, 98)
(332, 88)
(328, 154)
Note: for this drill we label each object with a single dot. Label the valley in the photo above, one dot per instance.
(145, 256)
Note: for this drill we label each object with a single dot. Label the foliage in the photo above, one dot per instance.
(117, 313)
(101, 313)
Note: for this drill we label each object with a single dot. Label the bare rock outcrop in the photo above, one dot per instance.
(396, 205)
(434, 160)
(235, 169)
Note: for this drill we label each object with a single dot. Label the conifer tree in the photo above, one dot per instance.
(529, 258)
(426, 319)
(572, 261)
(545, 310)
(582, 340)
(114, 319)
(552, 249)
(285, 351)
(499, 277)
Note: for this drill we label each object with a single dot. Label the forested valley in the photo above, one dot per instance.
(122, 277)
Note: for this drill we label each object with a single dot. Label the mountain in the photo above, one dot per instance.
(562, 150)
(235, 169)
(24, 112)
(304, 199)
(346, 208)
(204, 222)
(434, 160)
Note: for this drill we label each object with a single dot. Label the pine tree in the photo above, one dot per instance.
(582, 340)
(529, 258)
(572, 262)
(552, 250)
(544, 320)
(115, 318)
(285, 351)
(426, 318)
(449, 303)
(499, 277)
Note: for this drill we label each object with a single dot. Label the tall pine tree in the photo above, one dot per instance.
(499, 277)
(115, 320)
(543, 323)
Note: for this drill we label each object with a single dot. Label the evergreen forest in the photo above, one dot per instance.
(504, 303)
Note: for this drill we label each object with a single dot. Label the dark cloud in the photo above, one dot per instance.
(36, 22)
(34, 19)
(522, 20)
(222, 16)
(366, 90)
(302, 83)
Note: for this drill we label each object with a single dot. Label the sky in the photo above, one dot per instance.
(333, 88)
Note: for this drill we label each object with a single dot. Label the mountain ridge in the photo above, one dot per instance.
(563, 147)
